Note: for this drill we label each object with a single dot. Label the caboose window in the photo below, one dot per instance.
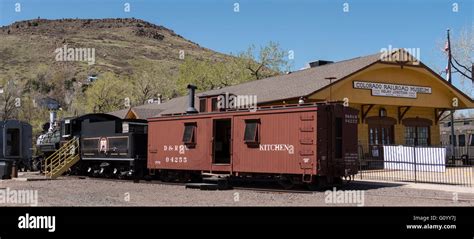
(202, 105)
(251, 131)
(214, 104)
(189, 133)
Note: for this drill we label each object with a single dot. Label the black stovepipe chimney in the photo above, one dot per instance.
(191, 109)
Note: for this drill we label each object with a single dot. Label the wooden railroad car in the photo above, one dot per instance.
(312, 144)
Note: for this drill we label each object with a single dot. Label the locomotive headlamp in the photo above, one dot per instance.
(125, 128)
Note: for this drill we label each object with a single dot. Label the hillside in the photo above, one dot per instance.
(133, 59)
(26, 46)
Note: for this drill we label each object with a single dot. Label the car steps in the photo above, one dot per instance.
(211, 183)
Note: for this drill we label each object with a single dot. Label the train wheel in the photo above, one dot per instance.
(313, 186)
(286, 182)
(318, 183)
(338, 180)
(165, 177)
(147, 177)
(36, 164)
(196, 178)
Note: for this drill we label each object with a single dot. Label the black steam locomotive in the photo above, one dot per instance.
(108, 145)
(112, 147)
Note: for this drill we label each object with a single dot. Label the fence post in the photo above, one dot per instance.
(414, 161)
(360, 158)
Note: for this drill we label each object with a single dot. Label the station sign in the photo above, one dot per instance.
(392, 90)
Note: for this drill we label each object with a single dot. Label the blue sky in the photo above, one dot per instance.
(317, 29)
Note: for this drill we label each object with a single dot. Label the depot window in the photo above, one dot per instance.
(252, 128)
(189, 134)
(462, 140)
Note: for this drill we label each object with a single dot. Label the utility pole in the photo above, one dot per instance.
(449, 78)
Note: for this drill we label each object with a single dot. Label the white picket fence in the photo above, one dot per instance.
(421, 159)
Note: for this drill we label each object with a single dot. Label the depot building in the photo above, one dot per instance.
(400, 100)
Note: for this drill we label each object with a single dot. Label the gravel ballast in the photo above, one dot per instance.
(73, 191)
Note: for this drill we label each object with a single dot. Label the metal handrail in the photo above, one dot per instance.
(57, 158)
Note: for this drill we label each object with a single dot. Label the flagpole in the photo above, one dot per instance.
(449, 78)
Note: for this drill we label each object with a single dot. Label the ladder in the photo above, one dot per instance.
(61, 160)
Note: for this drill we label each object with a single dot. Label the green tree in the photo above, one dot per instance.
(151, 80)
(10, 101)
(107, 94)
(246, 66)
(33, 114)
(270, 60)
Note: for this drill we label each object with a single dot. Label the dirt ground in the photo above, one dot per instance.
(75, 191)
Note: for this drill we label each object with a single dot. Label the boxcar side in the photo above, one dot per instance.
(296, 142)
(286, 143)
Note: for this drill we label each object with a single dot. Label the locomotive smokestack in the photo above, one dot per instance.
(191, 109)
(52, 119)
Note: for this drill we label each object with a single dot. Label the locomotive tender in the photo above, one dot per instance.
(114, 147)
(108, 145)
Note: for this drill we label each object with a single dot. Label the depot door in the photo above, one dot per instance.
(381, 132)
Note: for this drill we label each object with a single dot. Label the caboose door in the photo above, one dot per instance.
(221, 145)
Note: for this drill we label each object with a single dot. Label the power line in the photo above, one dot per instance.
(462, 73)
(459, 71)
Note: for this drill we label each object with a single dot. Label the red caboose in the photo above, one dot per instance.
(310, 143)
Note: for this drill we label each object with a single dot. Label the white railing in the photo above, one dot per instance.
(421, 159)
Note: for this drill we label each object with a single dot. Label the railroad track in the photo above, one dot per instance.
(128, 181)
(275, 190)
